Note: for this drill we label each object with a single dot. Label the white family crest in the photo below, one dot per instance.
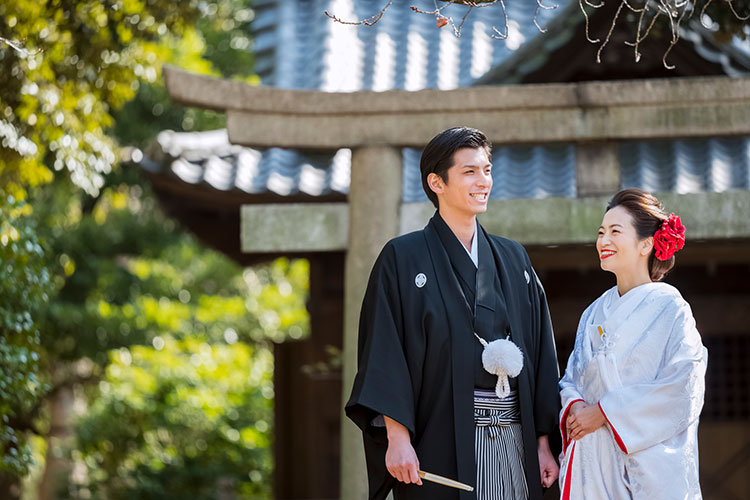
(420, 280)
(526, 275)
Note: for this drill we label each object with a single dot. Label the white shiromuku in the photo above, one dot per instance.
(641, 359)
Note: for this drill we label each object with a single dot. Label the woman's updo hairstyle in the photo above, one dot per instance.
(648, 216)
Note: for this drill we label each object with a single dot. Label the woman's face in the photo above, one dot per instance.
(620, 250)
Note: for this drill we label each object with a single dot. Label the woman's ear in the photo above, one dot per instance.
(646, 245)
(436, 183)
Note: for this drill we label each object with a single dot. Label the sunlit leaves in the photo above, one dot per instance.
(24, 287)
(115, 272)
(220, 44)
(181, 336)
(69, 65)
(174, 421)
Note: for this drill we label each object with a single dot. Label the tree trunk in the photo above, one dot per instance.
(57, 465)
(226, 488)
(10, 486)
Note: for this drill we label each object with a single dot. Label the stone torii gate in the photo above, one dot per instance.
(593, 116)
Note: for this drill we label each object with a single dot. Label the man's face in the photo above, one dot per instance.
(468, 185)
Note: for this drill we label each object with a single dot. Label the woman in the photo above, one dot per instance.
(633, 388)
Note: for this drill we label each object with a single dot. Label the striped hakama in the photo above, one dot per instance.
(498, 451)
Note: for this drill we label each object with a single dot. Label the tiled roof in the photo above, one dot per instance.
(686, 166)
(682, 166)
(517, 172)
(297, 47)
(208, 157)
(732, 59)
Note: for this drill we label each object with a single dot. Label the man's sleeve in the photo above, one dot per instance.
(547, 397)
(382, 385)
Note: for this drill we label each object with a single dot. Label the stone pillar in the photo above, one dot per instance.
(597, 169)
(374, 206)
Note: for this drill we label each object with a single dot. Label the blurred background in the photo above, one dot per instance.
(144, 355)
(135, 361)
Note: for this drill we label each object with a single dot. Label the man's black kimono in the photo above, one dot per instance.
(417, 357)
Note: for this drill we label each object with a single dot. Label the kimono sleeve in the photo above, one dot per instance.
(383, 385)
(569, 392)
(643, 415)
(546, 399)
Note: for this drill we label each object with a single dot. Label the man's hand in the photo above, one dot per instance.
(548, 469)
(400, 458)
(583, 419)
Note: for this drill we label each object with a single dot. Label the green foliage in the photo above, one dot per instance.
(79, 60)
(24, 287)
(179, 336)
(66, 68)
(223, 47)
(90, 241)
(185, 419)
(68, 65)
(150, 112)
(126, 274)
(228, 46)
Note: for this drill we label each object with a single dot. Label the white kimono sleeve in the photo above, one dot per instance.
(643, 415)
(569, 393)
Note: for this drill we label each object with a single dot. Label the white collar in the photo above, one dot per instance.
(474, 252)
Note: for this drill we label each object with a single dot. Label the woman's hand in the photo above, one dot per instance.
(584, 419)
(400, 458)
(574, 408)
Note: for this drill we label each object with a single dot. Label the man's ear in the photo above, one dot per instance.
(436, 183)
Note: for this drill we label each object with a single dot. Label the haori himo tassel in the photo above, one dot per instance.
(503, 358)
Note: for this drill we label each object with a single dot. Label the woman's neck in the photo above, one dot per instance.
(628, 281)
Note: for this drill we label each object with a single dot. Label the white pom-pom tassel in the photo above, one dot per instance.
(502, 358)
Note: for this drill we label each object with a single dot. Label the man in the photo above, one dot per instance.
(422, 396)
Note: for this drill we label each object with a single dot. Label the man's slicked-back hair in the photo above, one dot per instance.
(437, 156)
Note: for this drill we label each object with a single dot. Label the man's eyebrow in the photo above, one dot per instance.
(476, 166)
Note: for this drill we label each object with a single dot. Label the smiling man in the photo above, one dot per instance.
(428, 394)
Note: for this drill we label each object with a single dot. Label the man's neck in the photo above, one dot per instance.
(462, 226)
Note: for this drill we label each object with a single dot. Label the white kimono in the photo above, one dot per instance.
(641, 359)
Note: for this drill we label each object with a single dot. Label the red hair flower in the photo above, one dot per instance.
(669, 238)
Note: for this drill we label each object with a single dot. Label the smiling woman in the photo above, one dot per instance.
(626, 242)
(637, 355)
